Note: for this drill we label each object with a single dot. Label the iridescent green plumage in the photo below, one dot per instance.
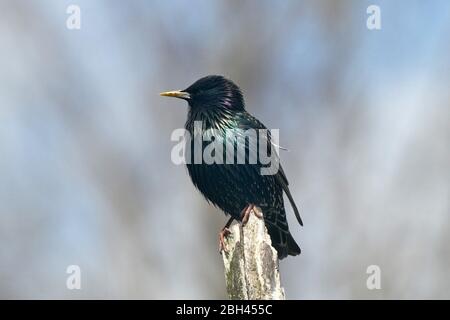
(218, 104)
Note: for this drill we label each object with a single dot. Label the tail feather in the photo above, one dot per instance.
(293, 248)
(283, 242)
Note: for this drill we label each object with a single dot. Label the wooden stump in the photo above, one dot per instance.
(251, 263)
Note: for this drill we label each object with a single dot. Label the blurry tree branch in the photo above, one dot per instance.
(251, 263)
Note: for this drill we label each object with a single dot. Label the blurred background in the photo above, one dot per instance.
(86, 175)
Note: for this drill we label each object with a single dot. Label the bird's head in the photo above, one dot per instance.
(211, 92)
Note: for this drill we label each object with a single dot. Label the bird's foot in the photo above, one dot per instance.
(222, 235)
(245, 213)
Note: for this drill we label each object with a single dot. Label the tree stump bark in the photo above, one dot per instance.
(251, 263)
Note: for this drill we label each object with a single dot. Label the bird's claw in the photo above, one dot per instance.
(222, 235)
(245, 214)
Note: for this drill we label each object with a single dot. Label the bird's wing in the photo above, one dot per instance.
(248, 121)
(282, 179)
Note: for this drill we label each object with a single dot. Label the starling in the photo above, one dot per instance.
(237, 189)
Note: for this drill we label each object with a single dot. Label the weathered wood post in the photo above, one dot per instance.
(251, 263)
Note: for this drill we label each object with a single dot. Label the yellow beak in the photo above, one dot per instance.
(177, 94)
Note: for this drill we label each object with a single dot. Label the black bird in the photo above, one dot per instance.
(235, 188)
